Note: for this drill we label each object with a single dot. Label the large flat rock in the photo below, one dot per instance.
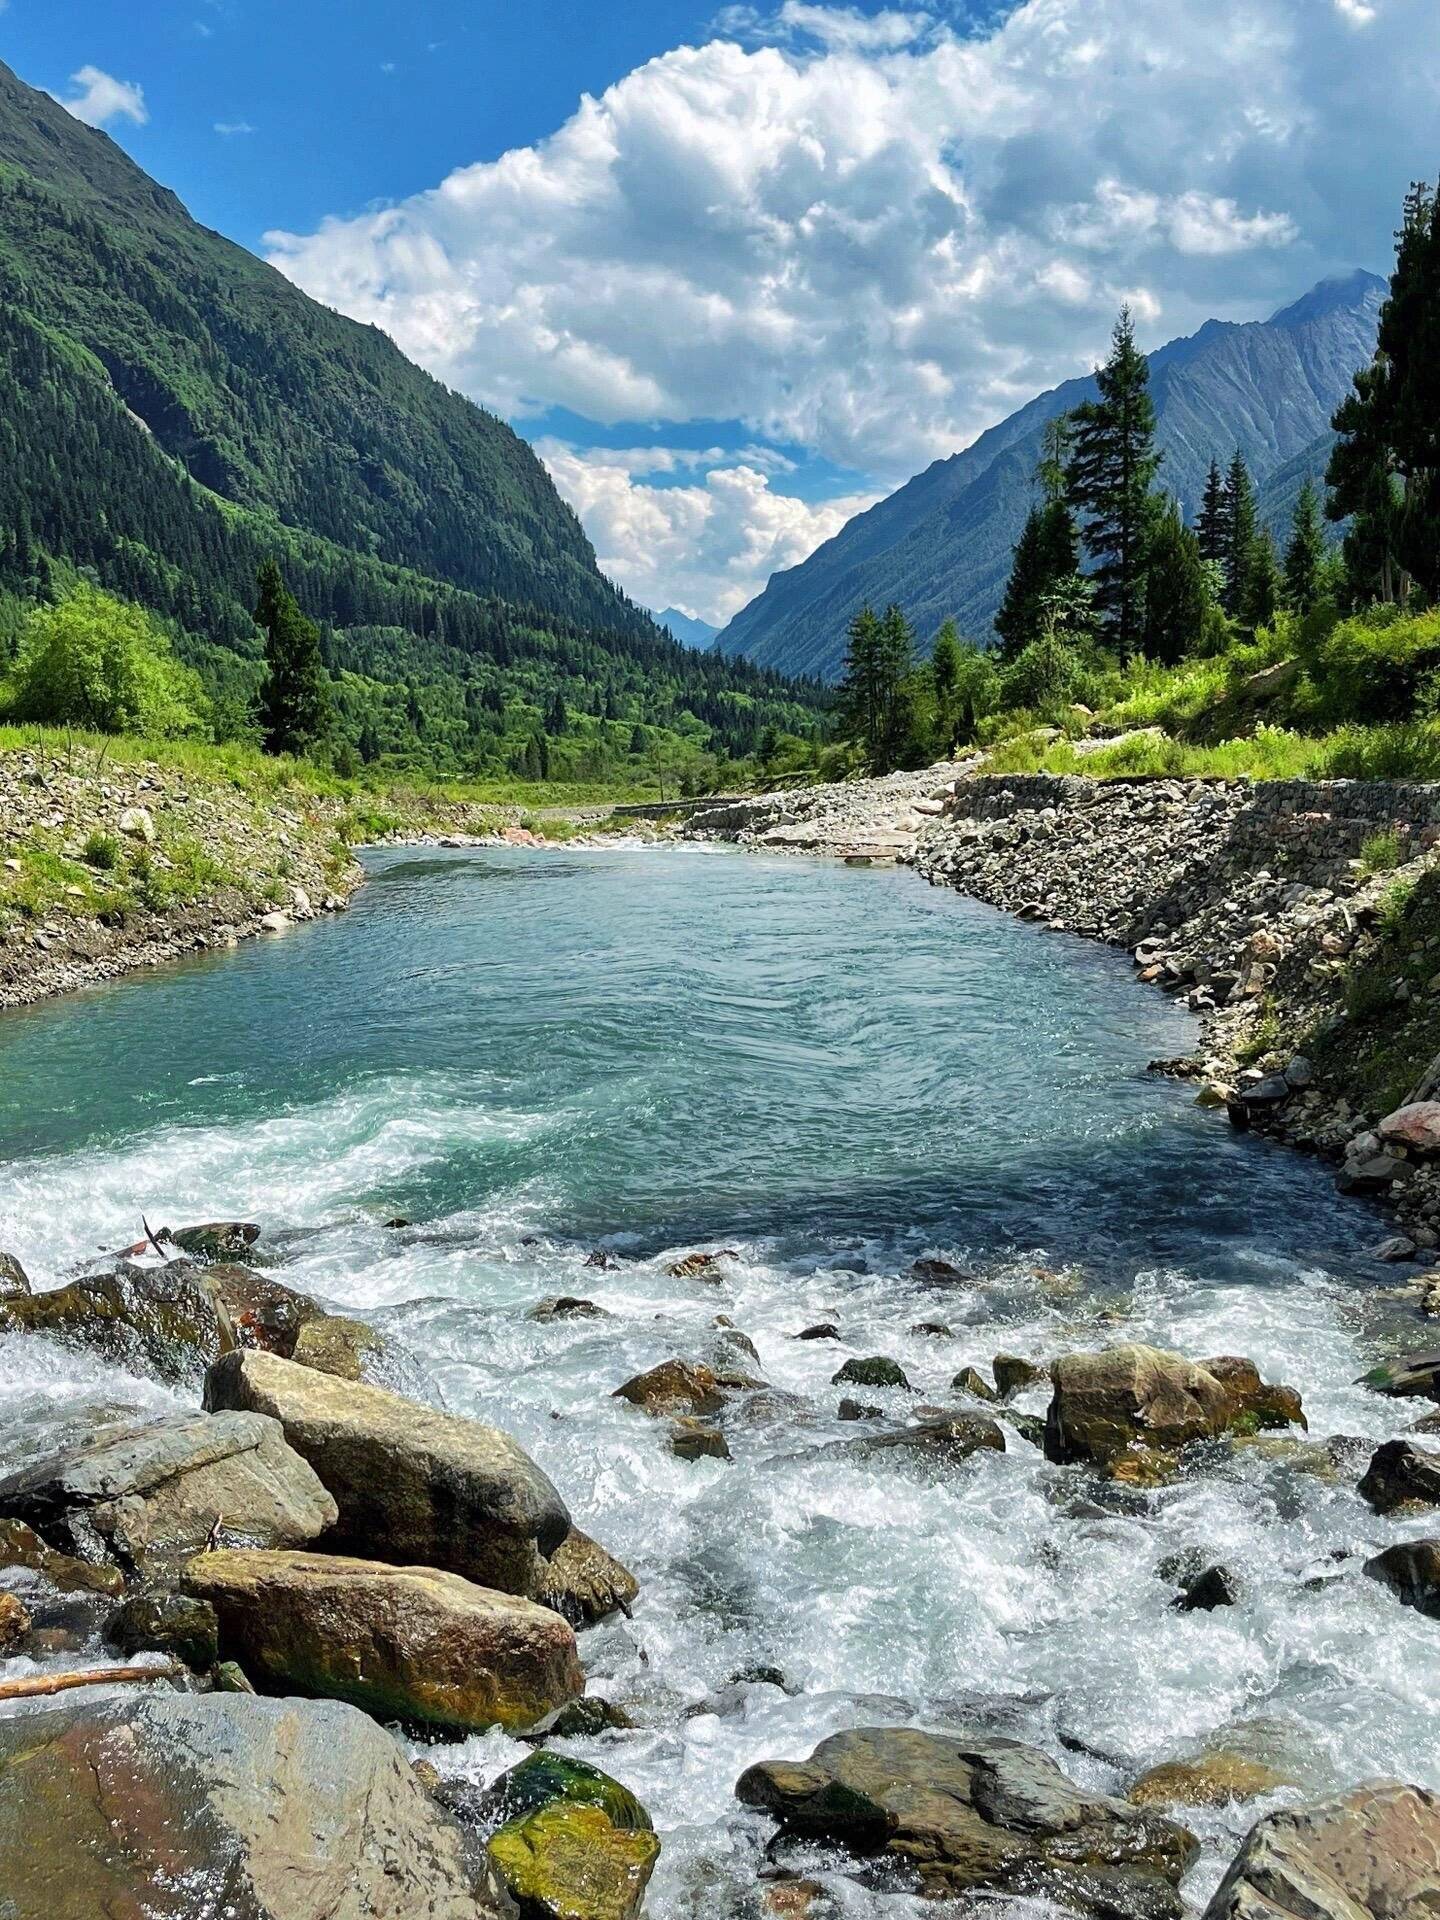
(144, 1498)
(413, 1486)
(1372, 1854)
(223, 1807)
(966, 1812)
(404, 1643)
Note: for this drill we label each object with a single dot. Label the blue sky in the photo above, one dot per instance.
(785, 253)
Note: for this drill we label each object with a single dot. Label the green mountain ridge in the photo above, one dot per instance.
(941, 545)
(175, 410)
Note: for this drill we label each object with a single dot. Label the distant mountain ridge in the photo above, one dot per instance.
(685, 628)
(941, 545)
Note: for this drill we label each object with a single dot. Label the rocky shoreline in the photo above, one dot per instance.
(311, 1556)
(1253, 902)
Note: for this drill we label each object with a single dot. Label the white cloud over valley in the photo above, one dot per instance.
(708, 546)
(869, 236)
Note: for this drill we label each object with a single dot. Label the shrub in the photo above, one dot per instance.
(101, 851)
(1376, 666)
(97, 662)
(1382, 852)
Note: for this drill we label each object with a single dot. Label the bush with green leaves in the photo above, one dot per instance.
(100, 663)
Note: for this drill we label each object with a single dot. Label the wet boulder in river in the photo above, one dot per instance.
(1371, 1854)
(166, 1321)
(674, 1388)
(1215, 1779)
(573, 1843)
(1411, 1570)
(1108, 1405)
(214, 1239)
(404, 1643)
(878, 1370)
(425, 1488)
(264, 1312)
(145, 1498)
(161, 1622)
(972, 1812)
(583, 1582)
(21, 1546)
(173, 1805)
(331, 1343)
(1401, 1476)
(947, 1439)
(1013, 1374)
(14, 1281)
(1417, 1377)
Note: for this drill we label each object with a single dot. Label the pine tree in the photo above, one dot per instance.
(1177, 597)
(945, 674)
(860, 690)
(1047, 550)
(895, 665)
(1384, 473)
(1305, 554)
(1239, 533)
(1264, 586)
(556, 718)
(295, 693)
(1213, 526)
(1111, 469)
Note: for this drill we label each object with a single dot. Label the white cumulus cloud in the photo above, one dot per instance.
(100, 98)
(707, 547)
(871, 235)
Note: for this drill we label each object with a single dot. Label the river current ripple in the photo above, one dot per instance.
(529, 1055)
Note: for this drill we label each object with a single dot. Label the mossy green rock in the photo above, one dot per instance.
(547, 1777)
(876, 1371)
(567, 1862)
(164, 1321)
(330, 1343)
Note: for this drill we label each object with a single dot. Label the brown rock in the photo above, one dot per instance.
(14, 1622)
(1210, 1780)
(348, 1349)
(1416, 1126)
(1372, 1854)
(1411, 1570)
(426, 1488)
(674, 1387)
(21, 1546)
(1109, 1405)
(14, 1282)
(1401, 1476)
(403, 1643)
(583, 1582)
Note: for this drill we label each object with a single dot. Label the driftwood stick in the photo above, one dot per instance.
(42, 1683)
(151, 1238)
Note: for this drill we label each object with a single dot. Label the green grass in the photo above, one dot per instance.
(1382, 852)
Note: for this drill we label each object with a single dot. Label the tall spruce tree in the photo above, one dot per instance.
(1111, 469)
(1239, 533)
(295, 693)
(1213, 527)
(861, 702)
(896, 664)
(1047, 550)
(1177, 596)
(1384, 473)
(1264, 585)
(1305, 553)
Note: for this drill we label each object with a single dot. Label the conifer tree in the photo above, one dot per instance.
(1177, 597)
(1264, 586)
(1047, 550)
(1384, 473)
(1239, 533)
(1213, 526)
(556, 718)
(1305, 554)
(295, 693)
(945, 675)
(1110, 471)
(860, 694)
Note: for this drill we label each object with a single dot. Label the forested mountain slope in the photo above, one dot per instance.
(942, 544)
(172, 410)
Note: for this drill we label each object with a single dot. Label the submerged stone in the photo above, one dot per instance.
(879, 1370)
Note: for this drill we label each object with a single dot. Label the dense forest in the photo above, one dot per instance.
(174, 415)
